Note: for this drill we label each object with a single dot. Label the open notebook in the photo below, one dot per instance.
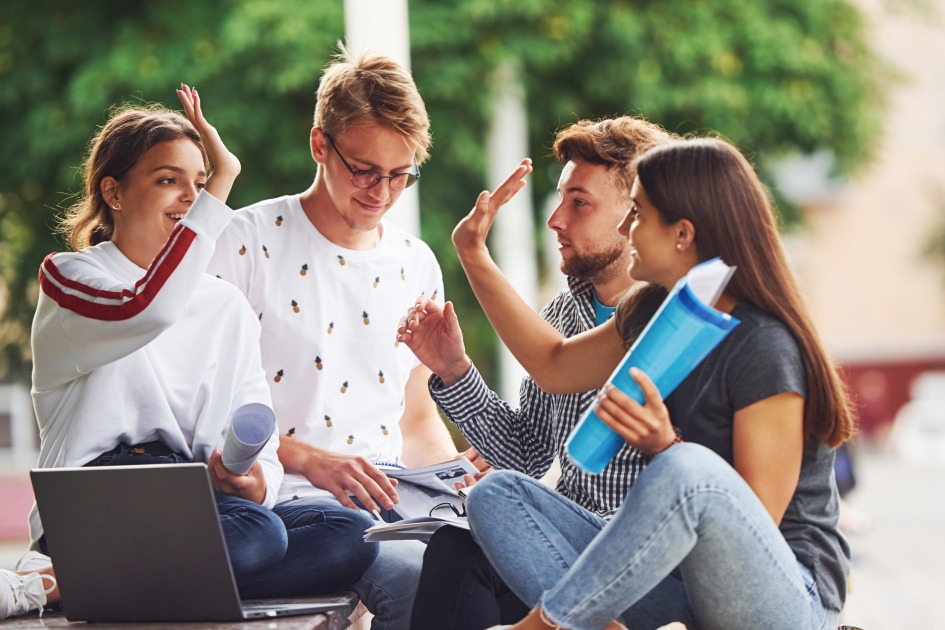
(143, 543)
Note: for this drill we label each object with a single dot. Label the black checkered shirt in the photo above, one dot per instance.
(529, 438)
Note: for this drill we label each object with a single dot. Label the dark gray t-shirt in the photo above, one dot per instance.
(760, 359)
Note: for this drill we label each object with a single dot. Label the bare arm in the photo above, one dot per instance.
(768, 448)
(557, 364)
(768, 437)
(426, 439)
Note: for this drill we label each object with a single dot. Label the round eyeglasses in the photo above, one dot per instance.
(370, 179)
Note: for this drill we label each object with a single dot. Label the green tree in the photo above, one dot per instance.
(772, 76)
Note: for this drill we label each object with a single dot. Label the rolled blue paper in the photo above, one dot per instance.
(681, 334)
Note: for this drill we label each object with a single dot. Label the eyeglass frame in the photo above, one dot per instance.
(411, 177)
(447, 504)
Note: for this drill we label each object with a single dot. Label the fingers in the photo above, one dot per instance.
(514, 183)
(479, 462)
(651, 394)
(251, 486)
(625, 426)
(468, 482)
(417, 313)
(366, 482)
(482, 209)
(344, 499)
(480, 219)
(476, 459)
(188, 98)
(471, 454)
(449, 314)
(198, 111)
(647, 427)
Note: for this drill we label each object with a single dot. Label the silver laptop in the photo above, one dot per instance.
(143, 543)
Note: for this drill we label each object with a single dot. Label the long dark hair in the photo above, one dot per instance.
(710, 183)
(115, 149)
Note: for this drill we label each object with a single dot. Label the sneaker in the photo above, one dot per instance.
(33, 561)
(20, 594)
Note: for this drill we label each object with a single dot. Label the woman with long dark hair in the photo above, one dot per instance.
(733, 524)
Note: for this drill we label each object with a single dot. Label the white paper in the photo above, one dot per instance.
(251, 426)
(707, 280)
(412, 529)
(422, 489)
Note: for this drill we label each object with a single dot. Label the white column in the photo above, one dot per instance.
(381, 26)
(513, 232)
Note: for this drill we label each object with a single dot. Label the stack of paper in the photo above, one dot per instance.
(420, 528)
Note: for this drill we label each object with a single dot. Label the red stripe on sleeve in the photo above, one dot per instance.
(133, 302)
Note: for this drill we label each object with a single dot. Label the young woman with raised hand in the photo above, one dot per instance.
(733, 524)
(139, 356)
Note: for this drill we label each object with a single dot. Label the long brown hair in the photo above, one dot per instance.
(115, 149)
(710, 183)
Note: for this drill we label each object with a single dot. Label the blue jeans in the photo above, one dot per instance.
(389, 585)
(692, 543)
(325, 551)
(295, 549)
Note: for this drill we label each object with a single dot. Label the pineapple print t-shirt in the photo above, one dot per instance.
(329, 320)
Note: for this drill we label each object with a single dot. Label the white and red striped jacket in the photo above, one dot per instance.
(127, 355)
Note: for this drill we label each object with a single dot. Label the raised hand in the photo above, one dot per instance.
(223, 164)
(434, 336)
(470, 233)
(646, 427)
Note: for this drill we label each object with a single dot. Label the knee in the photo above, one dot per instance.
(689, 463)
(496, 486)
(357, 560)
(253, 519)
(256, 537)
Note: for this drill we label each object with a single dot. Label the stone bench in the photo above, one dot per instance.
(354, 616)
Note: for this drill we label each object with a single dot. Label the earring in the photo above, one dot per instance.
(679, 246)
(116, 207)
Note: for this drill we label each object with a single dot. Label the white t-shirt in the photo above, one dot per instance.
(124, 355)
(329, 320)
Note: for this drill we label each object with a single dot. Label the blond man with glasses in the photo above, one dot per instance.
(329, 279)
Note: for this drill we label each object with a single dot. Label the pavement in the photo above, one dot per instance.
(898, 576)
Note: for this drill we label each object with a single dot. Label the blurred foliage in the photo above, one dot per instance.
(773, 76)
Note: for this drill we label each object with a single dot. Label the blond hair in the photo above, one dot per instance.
(371, 88)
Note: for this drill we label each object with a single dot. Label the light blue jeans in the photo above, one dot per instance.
(692, 543)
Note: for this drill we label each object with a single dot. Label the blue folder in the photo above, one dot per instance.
(681, 334)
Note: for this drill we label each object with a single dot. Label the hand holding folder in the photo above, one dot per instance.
(681, 334)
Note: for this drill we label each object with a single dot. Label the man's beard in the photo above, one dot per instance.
(593, 266)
